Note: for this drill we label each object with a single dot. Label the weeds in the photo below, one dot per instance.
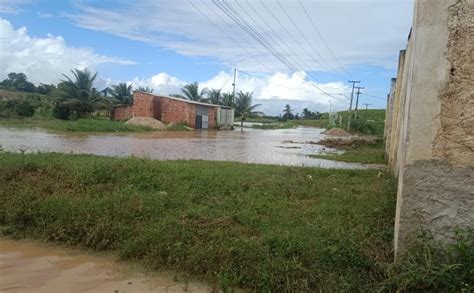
(431, 266)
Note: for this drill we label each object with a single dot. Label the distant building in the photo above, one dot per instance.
(170, 109)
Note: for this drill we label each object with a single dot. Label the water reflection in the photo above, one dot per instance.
(279, 147)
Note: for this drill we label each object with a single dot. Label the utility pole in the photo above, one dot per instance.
(233, 85)
(350, 106)
(357, 101)
(366, 108)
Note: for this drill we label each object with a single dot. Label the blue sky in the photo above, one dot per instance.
(165, 44)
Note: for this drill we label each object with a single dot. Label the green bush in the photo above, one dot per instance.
(61, 111)
(367, 126)
(24, 108)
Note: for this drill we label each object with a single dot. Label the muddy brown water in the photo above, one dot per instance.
(246, 145)
(27, 266)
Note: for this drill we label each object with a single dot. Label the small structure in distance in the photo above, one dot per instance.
(176, 110)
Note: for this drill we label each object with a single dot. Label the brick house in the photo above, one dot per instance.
(170, 109)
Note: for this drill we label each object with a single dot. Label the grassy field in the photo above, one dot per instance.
(371, 154)
(95, 124)
(259, 227)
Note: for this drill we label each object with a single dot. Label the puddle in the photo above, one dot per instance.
(26, 266)
(247, 145)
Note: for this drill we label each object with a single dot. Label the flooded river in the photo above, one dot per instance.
(27, 266)
(280, 147)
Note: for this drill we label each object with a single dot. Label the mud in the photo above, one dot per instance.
(27, 266)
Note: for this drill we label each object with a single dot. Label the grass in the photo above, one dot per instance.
(178, 127)
(366, 153)
(95, 124)
(322, 123)
(259, 227)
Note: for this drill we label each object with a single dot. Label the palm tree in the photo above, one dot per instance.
(191, 92)
(79, 95)
(214, 97)
(145, 89)
(287, 112)
(227, 99)
(244, 107)
(122, 93)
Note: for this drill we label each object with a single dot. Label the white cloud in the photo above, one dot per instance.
(358, 32)
(161, 83)
(271, 91)
(44, 59)
(11, 6)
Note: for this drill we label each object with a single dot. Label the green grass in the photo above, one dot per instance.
(372, 154)
(95, 124)
(322, 123)
(178, 127)
(259, 227)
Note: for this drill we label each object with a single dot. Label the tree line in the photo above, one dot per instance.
(76, 96)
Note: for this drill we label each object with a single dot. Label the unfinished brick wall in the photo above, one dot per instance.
(182, 112)
(174, 111)
(121, 113)
(162, 108)
(143, 105)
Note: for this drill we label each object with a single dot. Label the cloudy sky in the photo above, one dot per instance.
(297, 52)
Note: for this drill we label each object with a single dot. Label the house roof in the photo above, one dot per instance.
(182, 100)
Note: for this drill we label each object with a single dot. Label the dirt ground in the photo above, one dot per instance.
(27, 266)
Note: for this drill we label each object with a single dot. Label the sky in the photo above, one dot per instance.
(297, 52)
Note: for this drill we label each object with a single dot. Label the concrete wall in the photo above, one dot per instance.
(430, 146)
(388, 117)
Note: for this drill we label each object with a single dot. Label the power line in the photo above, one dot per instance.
(373, 96)
(291, 36)
(237, 18)
(287, 52)
(321, 37)
(326, 65)
(226, 34)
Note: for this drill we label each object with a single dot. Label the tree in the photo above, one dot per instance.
(78, 96)
(244, 107)
(18, 82)
(191, 92)
(145, 89)
(306, 113)
(227, 99)
(214, 97)
(287, 113)
(122, 93)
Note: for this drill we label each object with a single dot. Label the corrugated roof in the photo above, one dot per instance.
(182, 100)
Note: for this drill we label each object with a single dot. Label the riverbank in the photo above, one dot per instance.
(258, 227)
(92, 124)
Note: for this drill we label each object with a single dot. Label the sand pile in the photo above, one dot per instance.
(147, 122)
(337, 132)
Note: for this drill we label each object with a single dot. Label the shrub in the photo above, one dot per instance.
(367, 126)
(61, 111)
(23, 108)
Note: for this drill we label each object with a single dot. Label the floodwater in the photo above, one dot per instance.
(27, 266)
(279, 147)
